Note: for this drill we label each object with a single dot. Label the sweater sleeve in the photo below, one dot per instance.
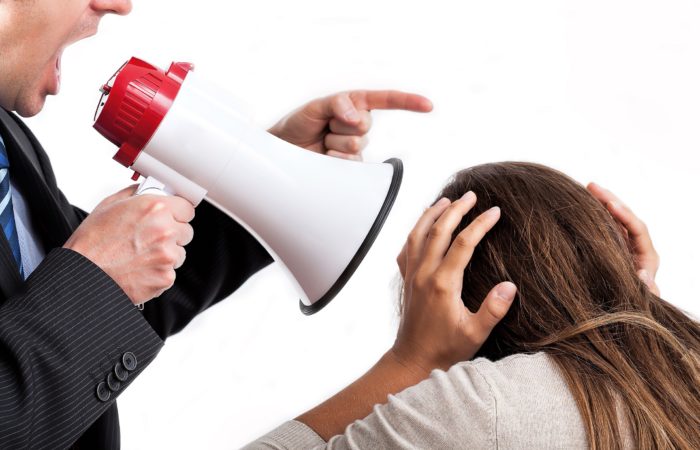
(70, 342)
(453, 409)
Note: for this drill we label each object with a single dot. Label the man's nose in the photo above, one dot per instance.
(120, 7)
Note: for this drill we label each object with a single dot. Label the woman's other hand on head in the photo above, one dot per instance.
(436, 329)
(646, 258)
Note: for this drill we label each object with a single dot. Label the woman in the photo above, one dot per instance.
(587, 356)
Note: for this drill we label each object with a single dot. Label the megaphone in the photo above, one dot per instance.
(316, 215)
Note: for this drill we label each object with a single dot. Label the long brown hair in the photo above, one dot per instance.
(579, 300)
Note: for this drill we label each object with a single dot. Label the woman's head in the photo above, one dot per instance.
(580, 300)
(556, 242)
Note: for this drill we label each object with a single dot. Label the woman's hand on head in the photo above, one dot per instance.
(436, 329)
(645, 256)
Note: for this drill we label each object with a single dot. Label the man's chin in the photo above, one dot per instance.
(30, 107)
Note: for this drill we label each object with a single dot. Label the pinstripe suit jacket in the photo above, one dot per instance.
(69, 327)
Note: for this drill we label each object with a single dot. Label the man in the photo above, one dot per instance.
(71, 339)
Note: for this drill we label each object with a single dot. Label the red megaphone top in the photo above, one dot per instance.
(134, 102)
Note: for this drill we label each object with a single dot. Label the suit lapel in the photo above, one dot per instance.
(30, 169)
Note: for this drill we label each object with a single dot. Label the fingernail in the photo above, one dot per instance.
(469, 196)
(644, 276)
(443, 201)
(506, 292)
(493, 212)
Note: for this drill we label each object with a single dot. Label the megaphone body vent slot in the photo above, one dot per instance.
(137, 98)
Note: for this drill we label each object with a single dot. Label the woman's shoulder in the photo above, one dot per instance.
(518, 369)
(530, 398)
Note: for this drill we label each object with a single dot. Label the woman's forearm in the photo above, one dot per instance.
(390, 375)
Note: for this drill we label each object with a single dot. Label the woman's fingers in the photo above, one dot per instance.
(492, 310)
(462, 248)
(440, 233)
(622, 213)
(640, 240)
(416, 239)
(638, 231)
(649, 281)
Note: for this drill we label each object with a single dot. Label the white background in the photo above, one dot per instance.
(605, 91)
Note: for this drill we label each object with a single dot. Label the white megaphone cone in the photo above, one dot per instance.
(315, 214)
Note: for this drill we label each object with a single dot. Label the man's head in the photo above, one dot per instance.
(33, 35)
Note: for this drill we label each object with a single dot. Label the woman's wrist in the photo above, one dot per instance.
(410, 362)
(392, 374)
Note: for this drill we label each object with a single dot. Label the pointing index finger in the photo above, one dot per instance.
(369, 100)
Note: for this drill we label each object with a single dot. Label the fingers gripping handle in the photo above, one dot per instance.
(151, 186)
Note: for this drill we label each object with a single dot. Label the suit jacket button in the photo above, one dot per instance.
(113, 383)
(120, 372)
(129, 361)
(102, 392)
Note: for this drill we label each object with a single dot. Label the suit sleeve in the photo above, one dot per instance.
(220, 258)
(70, 342)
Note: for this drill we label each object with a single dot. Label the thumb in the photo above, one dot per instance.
(344, 108)
(121, 195)
(337, 106)
(493, 309)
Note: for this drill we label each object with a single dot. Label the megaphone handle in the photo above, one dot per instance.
(151, 186)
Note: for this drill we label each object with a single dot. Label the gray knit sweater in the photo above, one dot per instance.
(519, 402)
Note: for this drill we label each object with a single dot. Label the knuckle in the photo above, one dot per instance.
(164, 233)
(412, 239)
(153, 204)
(437, 230)
(366, 124)
(163, 257)
(182, 254)
(439, 286)
(169, 278)
(168, 256)
(190, 233)
(419, 281)
(190, 212)
(464, 241)
(355, 144)
(337, 101)
(493, 315)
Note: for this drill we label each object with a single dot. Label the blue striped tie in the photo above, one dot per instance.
(7, 215)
